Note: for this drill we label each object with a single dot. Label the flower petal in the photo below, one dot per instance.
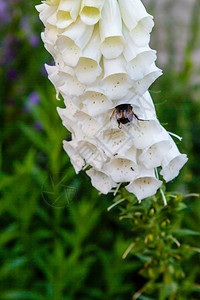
(141, 33)
(172, 162)
(101, 181)
(55, 79)
(153, 156)
(91, 11)
(142, 85)
(88, 125)
(121, 170)
(91, 154)
(45, 11)
(143, 134)
(138, 67)
(71, 87)
(67, 13)
(76, 160)
(116, 82)
(110, 27)
(132, 12)
(113, 142)
(73, 40)
(144, 187)
(95, 103)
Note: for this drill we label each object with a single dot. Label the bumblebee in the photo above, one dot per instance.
(124, 114)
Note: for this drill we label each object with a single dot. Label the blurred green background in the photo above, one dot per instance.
(57, 240)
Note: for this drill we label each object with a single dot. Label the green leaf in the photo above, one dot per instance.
(34, 137)
(16, 295)
(182, 232)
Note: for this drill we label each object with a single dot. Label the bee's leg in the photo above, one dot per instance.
(114, 111)
(138, 118)
(119, 124)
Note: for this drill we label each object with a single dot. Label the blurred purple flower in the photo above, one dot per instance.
(12, 74)
(4, 13)
(34, 40)
(24, 24)
(8, 49)
(34, 98)
(38, 126)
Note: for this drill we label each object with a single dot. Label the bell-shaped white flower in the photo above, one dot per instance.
(142, 85)
(145, 185)
(46, 12)
(138, 67)
(67, 12)
(72, 41)
(76, 160)
(88, 124)
(141, 33)
(67, 116)
(49, 38)
(116, 82)
(137, 20)
(71, 87)
(56, 80)
(110, 27)
(101, 181)
(131, 50)
(172, 162)
(94, 103)
(90, 153)
(114, 143)
(121, 170)
(88, 68)
(143, 134)
(132, 11)
(152, 156)
(91, 11)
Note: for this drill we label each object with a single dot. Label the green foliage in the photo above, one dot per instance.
(156, 229)
(57, 240)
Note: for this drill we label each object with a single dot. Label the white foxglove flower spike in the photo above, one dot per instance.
(103, 69)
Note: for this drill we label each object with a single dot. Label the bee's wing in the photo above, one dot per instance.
(128, 114)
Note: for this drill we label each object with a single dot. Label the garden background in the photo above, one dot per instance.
(71, 247)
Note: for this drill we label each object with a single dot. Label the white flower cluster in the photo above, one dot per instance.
(103, 69)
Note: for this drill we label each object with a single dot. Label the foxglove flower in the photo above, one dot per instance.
(103, 69)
